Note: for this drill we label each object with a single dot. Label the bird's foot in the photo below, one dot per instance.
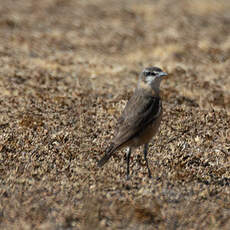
(150, 175)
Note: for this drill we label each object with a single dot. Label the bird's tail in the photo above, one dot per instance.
(109, 152)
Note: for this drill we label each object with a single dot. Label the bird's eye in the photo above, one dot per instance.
(147, 73)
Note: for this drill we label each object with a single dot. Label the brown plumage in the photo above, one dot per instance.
(141, 117)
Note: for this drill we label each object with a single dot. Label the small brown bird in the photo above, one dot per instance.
(141, 117)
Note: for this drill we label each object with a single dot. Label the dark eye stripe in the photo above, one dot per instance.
(150, 73)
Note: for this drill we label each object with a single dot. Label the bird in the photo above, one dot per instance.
(140, 119)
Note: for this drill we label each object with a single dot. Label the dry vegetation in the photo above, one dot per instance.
(67, 69)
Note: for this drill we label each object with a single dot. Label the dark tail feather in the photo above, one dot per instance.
(107, 156)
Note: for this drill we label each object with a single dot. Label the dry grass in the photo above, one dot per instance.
(67, 69)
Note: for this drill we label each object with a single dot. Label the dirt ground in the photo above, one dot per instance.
(67, 68)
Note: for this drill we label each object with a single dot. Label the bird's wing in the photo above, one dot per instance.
(142, 109)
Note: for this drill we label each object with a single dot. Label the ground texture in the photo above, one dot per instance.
(67, 69)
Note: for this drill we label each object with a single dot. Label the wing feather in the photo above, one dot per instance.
(142, 109)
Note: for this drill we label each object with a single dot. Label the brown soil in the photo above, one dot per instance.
(67, 69)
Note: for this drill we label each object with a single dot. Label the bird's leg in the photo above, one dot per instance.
(146, 147)
(128, 159)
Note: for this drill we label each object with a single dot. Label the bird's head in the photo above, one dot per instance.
(152, 76)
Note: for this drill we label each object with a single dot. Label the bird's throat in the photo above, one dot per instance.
(153, 89)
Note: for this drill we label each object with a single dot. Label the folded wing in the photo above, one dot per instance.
(141, 110)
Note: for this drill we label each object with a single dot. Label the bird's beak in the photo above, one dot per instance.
(162, 74)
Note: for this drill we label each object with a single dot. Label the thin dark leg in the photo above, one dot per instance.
(128, 159)
(146, 147)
